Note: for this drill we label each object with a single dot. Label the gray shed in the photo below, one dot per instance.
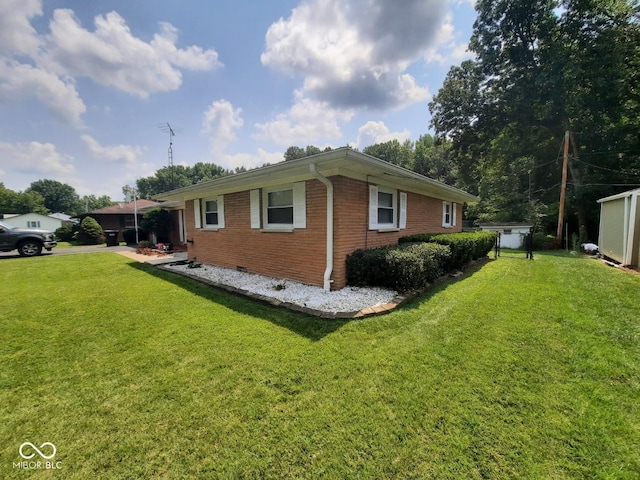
(619, 237)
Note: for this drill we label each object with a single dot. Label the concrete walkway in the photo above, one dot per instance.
(153, 259)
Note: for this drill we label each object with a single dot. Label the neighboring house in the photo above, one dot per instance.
(619, 237)
(299, 219)
(512, 234)
(37, 221)
(120, 217)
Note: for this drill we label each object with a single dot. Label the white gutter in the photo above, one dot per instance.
(327, 182)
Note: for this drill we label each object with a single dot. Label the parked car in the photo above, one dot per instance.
(28, 242)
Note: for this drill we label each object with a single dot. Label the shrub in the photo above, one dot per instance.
(145, 244)
(65, 233)
(129, 235)
(402, 268)
(465, 246)
(91, 232)
(544, 242)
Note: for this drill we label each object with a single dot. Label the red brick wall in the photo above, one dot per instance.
(298, 255)
(301, 255)
(424, 215)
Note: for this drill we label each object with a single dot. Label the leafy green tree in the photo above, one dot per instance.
(393, 152)
(543, 67)
(294, 152)
(433, 159)
(21, 202)
(170, 178)
(91, 202)
(58, 197)
(158, 221)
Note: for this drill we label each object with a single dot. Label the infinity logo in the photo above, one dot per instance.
(30, 456)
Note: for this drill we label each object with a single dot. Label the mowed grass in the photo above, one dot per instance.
(522, 369)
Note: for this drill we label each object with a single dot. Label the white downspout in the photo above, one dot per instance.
(327, 182)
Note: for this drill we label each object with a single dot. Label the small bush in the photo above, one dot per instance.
(544, 242)
(65, 233)
(146, 244)
(91, 232)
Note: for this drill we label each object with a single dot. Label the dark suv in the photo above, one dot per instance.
(28, 242)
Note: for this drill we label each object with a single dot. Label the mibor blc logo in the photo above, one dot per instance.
(34, 457)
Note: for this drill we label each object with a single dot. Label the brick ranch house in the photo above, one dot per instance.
(300, 219)
(121, 216)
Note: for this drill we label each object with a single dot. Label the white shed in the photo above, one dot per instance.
(34, 221)
(619, 237)
(512, 234)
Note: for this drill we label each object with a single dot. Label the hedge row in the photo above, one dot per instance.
(417, 260)
(400, 267)
(465, 246)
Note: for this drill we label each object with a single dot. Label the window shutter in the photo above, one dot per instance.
(454, 208)
(299, 205)
(220, 211)
(403, 210)
(196, 212)
(373, 207)
(254, 198)
(444, 213)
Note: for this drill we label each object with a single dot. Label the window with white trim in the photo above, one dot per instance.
(284, 206)
(449, 214)
(387, 209)
(33, 223)
(280, 207)
(209, 212)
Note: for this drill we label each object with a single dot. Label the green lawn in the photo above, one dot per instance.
(522, 369)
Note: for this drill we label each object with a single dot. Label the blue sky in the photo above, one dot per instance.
(85, 86)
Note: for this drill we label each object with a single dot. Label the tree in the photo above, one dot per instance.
(393, 152)
(58, 197)
(21, 202)
(91, 202)
(433, 159)
(158, 221)
(543, 67)
(294, 152)
(170, 178)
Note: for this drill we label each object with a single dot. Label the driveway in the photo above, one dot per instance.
(125, 250)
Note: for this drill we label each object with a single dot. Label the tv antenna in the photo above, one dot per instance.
(166, 128)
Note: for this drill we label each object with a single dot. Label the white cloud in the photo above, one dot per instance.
(17, 36)
(306, 122)
(35, 158)
(112, 153)
(354, 60)
(19, 81)
(112, 56)
(219, 124)
(446, 49)
(377, 132)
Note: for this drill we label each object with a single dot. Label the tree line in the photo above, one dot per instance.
(49, 196)
(543, 68)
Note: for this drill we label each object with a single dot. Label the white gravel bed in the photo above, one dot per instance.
(349, 299)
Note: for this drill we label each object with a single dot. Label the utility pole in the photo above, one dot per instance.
(563, 189)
